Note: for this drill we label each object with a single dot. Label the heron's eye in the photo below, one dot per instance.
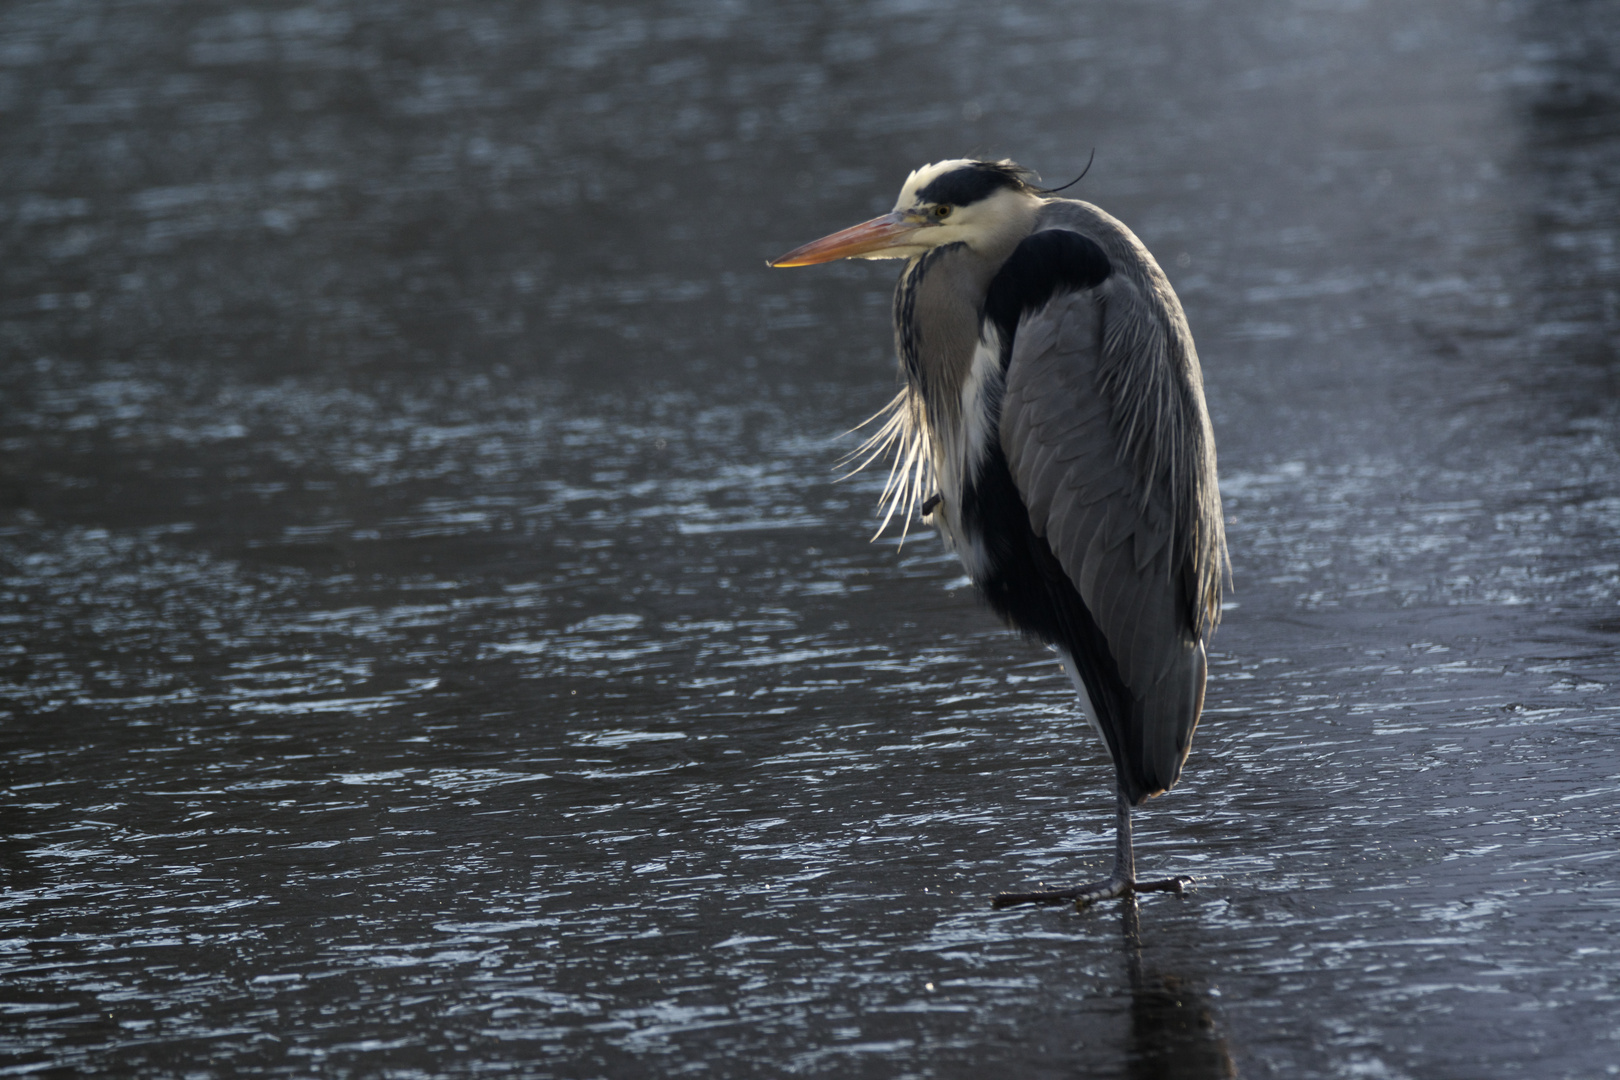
(942, 211)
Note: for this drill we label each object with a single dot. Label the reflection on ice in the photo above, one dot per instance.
(1175, 1032)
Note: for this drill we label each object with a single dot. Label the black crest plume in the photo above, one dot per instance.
(1076, 180)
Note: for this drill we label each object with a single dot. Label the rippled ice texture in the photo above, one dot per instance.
(435, 642)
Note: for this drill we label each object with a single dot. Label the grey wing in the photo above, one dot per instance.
(1084, 391)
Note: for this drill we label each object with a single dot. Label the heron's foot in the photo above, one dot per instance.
(1080, 895)
(1083, 896)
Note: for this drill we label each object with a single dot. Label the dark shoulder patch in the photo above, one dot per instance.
(970, 183)
(1043, 263)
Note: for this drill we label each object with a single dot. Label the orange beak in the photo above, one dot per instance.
(887, 231)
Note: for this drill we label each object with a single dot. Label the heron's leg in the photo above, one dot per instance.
(1126, 856)
(1121, 882)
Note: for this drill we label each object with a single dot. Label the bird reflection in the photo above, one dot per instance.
(1173, 1030)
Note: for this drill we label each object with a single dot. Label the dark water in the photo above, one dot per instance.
(434, 641)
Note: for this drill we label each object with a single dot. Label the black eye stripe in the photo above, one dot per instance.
(969, 184)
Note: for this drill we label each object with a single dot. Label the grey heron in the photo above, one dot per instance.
(1051, 425)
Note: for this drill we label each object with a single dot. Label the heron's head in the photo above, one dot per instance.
(988, 205)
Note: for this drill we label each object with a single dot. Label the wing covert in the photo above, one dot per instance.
(1096, 438)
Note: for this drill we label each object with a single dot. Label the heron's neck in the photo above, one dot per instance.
(937, 314)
